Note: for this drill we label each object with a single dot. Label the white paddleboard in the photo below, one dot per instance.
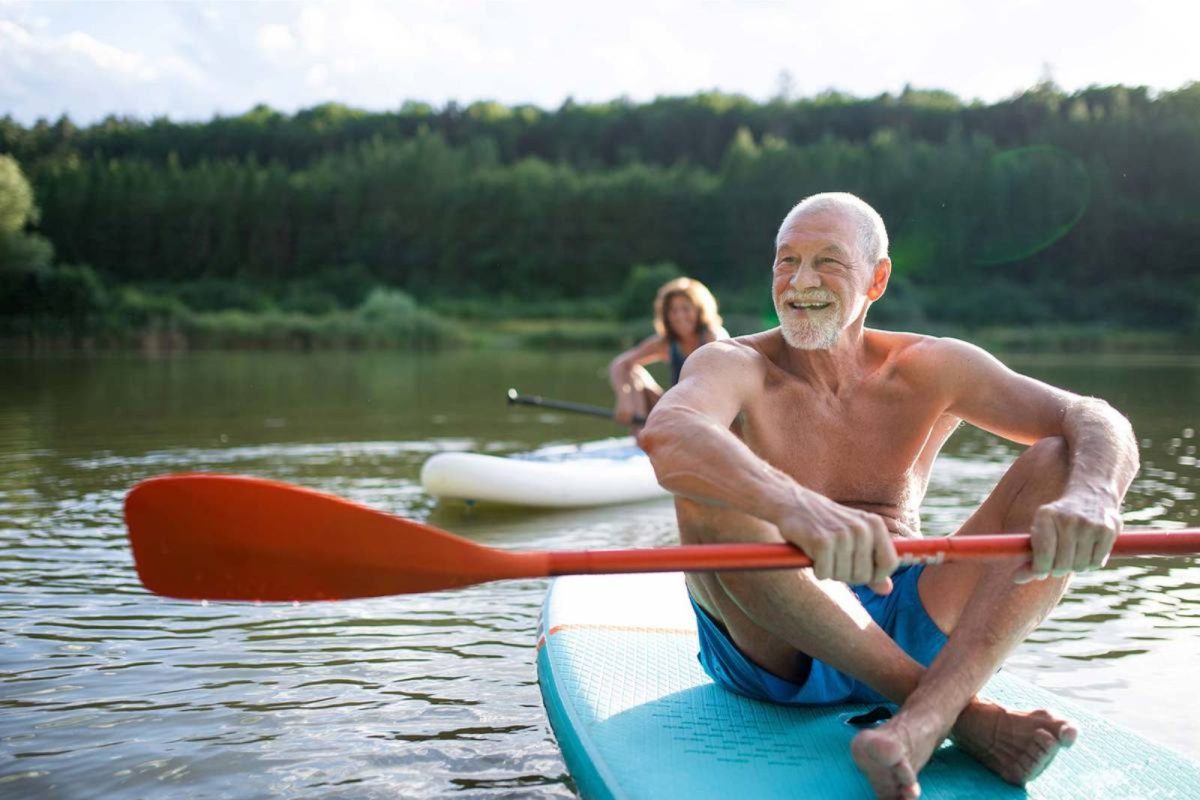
(597, 473)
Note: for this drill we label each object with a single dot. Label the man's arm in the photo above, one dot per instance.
(1077, 531)
(695, 455)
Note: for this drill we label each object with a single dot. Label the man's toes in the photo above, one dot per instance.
(1043, 747)
(1043, 741)
(906, 777)
(1061, 729)
(1067, 733)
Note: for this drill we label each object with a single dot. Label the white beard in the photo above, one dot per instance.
(821, 333)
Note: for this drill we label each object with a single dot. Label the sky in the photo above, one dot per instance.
(194, 60)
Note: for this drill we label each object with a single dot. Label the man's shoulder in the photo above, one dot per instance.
(930, 355)
(741, 353)
(751, 348)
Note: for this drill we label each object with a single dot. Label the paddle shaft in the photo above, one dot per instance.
(721, 557)
(515, 398)
(228, 537)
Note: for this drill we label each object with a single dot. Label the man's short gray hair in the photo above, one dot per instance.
(872, 235)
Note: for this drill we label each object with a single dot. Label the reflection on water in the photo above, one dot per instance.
(107, 691)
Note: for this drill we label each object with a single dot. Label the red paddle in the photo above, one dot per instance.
(225, 537)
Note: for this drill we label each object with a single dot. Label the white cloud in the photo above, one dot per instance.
(105, 56)
(275, 39)
(48, 73)
(191, 59)
(313, 25)
(651, 53)
(317, 78)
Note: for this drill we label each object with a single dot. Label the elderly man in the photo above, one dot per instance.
(822, 432)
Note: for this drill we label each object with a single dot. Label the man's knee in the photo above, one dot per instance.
(764, 594)
(746, 588)
(1048, 460)
(1042, 478)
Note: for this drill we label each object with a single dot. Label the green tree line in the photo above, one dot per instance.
(1049, 207)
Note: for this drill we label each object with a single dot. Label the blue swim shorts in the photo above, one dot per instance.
(900, 614)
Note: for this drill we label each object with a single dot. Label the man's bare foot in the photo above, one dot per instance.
(883, 755)
(1016, 745)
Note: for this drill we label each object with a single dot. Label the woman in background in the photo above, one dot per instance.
(685, 317)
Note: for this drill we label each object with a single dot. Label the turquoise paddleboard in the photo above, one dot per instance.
(636, 717)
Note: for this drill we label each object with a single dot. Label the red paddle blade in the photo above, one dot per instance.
(223, 537)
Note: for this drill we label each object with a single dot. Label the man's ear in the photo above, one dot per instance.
(879, 280)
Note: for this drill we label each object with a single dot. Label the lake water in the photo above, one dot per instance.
(108, 691)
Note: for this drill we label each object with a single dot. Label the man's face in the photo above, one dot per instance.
(819, 279)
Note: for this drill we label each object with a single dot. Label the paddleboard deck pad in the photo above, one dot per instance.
(636, 717)
(597, 473)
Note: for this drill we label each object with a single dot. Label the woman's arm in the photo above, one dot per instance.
(630, 381)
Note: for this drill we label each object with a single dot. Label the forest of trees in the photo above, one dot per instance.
(1048, 208)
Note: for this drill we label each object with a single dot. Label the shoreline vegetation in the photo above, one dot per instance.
(1045, 222)
(162, 321)
(299, 332)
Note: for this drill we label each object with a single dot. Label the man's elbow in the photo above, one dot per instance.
(1119, 425)
(665, 430)
(1125, 431)
(655, 435)
(1119, 421)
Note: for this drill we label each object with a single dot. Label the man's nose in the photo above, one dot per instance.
(805, 277)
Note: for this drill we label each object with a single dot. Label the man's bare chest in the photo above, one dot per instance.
(869, 447)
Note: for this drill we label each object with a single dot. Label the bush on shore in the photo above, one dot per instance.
(69, 306)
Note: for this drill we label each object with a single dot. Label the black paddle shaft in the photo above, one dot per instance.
(516, 398)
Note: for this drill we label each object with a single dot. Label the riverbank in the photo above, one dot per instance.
(599, 334)
(410, 328)
(131, 319)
